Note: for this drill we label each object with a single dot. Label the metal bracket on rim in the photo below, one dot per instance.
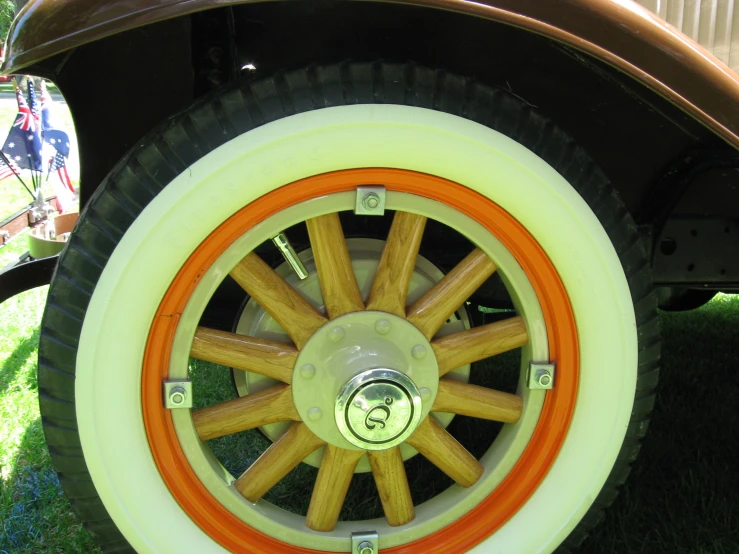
(177, 394)
(541, 376)
(365, 542)
(370, 201)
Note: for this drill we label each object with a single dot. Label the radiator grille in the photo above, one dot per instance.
(714, 24)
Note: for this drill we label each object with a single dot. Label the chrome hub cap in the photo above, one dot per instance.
(351, 366)
(378, 409)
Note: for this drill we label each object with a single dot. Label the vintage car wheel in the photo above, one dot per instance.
(360, 372)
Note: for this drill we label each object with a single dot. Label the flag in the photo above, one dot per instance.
(46, 108)
(58, 139)
(54, 137)
(34, 105)
(8, 170)
(59, 164)
(23, 145)
(63, 188)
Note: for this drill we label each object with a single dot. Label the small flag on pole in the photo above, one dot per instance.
(47, 121)
(34, 105)
(59, 140)
(23, 145)
(8, 170)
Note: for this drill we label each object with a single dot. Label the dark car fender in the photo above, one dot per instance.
(619, 32)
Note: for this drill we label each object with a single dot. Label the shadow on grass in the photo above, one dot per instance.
(682, 494)
(34, 514)
(23, 352)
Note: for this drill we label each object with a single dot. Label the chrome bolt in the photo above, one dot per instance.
(177, 395)
(543, 378)
(425, 394)
(365, 547)
(336, 334)
(371, 200)
(308, 371)
(382, 326)
(314, 414)
(418, 352)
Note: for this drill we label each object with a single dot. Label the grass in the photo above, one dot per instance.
(8, 87)
(681, 497)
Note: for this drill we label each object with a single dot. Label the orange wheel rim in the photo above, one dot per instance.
(520, 483)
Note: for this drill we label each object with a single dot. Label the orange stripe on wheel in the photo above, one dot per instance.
(503, 502)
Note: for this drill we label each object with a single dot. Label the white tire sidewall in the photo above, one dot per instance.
(159, 242)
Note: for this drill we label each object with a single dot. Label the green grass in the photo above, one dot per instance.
(8, 87)
(681, 497)
(34, 516)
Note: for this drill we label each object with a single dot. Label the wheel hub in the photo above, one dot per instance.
(365, 256)
(378, 409)
(351, 366)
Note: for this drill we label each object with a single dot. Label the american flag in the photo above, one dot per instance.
(34, 105)
(56, 138)
(59, 164)
(8, 170)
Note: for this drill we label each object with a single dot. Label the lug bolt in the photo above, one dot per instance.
(371, 200)
(382, 326)
(308, 371)
(336, 334)
(543, 378)
(425, 394)
(365, 547)
(314, 414)
(418, 352)
(177, 395)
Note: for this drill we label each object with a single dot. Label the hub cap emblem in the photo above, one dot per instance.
(378, 409)
(378, 415)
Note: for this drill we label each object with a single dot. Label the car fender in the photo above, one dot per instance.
(618, 32)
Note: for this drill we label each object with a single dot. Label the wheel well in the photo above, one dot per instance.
(151, 73)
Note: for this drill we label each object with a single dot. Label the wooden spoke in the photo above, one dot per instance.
(299, 319)
(443, 450)
(335, 272)
(392, 484)
(432, 310)
(268, 406)
(268, 358)
(466, 347)
(474, 401)
(390, 287)
(334, 477)
(277, 461)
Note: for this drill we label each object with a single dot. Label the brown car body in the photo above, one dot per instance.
(620, 33)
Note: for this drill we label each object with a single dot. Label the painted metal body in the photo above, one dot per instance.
(619, 32)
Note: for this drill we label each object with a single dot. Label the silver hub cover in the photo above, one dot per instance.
(378, 409)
